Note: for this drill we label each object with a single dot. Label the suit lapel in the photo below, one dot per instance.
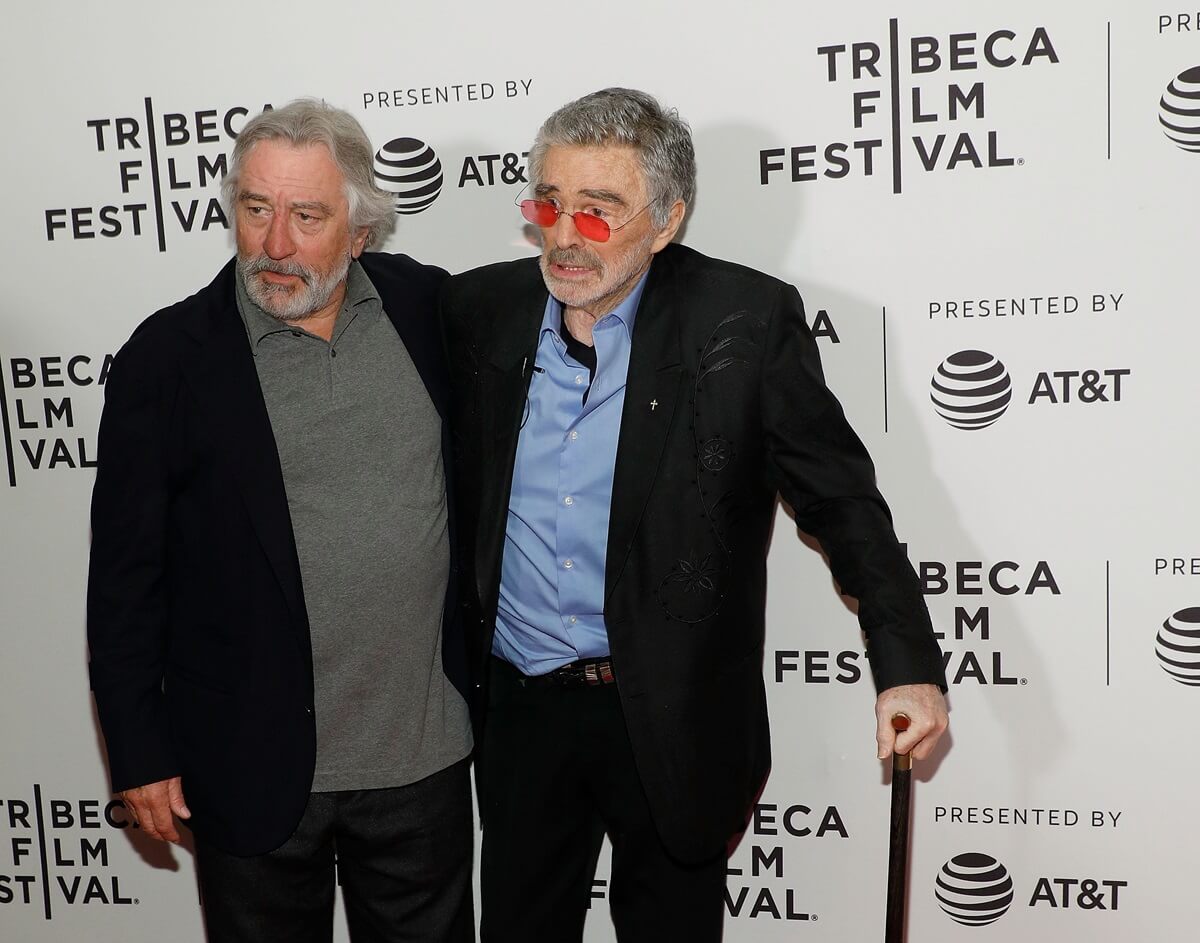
(651, 393)
(506, 367)
(223, 378)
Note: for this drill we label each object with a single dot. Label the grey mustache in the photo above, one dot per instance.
(571, 258)
(266, 264)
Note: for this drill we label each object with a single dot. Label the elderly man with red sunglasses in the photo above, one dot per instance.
(626, 411)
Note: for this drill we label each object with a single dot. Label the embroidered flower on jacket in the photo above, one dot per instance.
(695, 576)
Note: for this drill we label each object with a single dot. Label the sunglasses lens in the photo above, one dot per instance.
(539, 212)
(592, 227)
(545, 214)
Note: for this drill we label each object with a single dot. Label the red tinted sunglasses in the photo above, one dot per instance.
(544, 214)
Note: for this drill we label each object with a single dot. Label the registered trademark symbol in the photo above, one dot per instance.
(1024, 680)
(136, 901)
(812, 917)
(1020, 161)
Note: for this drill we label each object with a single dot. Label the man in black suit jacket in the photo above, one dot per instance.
(272, 608)
(626, 411)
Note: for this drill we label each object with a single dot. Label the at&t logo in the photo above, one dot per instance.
(971, 389)
(1179, 110)
(1178, 646)
(411, 170)
(974, 889)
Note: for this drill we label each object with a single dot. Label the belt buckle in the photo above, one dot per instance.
(598, 672)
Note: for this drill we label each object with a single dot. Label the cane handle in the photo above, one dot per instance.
(900, 723)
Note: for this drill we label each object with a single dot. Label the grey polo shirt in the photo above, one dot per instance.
(360, 447)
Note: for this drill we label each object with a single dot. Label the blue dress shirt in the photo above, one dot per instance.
(551, 608)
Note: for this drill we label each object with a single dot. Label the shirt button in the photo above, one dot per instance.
(568, 501)
(574, 434)
(573, 620)
(578, 380)
(568, 563)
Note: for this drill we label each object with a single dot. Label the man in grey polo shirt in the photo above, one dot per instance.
(272, 594)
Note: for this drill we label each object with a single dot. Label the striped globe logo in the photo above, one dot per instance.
(974, 889)
(1178, 646)
(1179, 110)
(411, 170)
(971, 389)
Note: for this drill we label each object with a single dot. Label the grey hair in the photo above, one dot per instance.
(306, 122)
(662, 140)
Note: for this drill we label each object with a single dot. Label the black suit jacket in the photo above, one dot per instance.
(201, 661)
(742, 414)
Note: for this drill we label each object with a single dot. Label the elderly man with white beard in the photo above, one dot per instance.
(626, 412)
(271, 602)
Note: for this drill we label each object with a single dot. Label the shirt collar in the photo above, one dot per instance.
(361, 296)
(625, 312)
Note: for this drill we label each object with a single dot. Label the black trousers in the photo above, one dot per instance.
(403, 859)
(557, 773)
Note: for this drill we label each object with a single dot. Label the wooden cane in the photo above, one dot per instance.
(898, 844)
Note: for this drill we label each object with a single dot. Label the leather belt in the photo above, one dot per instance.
(587, 672)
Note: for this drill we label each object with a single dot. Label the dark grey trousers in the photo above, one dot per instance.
(403, 858)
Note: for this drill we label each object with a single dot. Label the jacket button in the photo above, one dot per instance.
(308, 710)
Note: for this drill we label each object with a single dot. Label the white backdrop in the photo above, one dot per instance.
(1054, 543)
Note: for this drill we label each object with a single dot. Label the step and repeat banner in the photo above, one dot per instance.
(992, 212)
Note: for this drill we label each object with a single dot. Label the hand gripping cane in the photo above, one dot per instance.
(898, 843)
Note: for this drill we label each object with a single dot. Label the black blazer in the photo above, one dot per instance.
(743, 413)
(201, 661)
